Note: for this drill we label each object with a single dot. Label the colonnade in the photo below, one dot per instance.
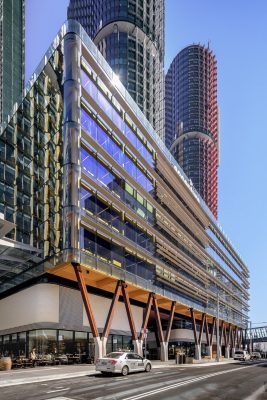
(232, 335)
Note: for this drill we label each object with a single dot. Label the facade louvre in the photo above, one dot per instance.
(90, 186)
(192, 131)
(12, 54)
(130, 35)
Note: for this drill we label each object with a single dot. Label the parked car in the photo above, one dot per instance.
(122, 363)
(242, 355)
(255, 355)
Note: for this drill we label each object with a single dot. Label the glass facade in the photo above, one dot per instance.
(30, 163)
(136, 215)
(12, 53)
(76, 346)
(130, 35)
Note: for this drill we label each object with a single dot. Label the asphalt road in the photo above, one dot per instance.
(244, 381)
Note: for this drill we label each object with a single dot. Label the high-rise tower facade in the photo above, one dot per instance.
(192, 131)
(130, 35)
(12, 44)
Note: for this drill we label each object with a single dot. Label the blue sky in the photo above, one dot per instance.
(236, 31)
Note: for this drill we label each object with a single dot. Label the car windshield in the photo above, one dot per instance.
(114, 355)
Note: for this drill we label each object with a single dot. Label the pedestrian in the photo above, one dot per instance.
(33, 356)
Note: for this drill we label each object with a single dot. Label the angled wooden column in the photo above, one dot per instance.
(169, 327)
(85, 297)
(129, 311)
(197, 338)
(146, 316)
(201, 328)
(194, 325)
(230, 333)
(240, 337)
(234, 333)
(158, 320)
(208, 337)
(222, 332)
(212, 330)
(112, 309)
(227, 336)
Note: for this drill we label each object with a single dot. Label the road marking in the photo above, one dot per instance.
(60, 398)
(256, 394)
(186, 382)
(121, 379)
(160, 372)
(38, 379)
(57, 390)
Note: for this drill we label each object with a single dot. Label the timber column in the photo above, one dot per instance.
(71, 148)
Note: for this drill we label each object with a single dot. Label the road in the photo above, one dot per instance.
(242, 381)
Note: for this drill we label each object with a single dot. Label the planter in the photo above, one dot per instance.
(189, 360)
(5, 364)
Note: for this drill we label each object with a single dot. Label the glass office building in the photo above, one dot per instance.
(89, 185)
(130, 35)
(12, 53)
(192, 131)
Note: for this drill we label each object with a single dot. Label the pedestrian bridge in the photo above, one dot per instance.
(256, 334)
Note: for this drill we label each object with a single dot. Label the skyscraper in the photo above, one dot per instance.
(192, 131)
(12, 40)
(106, 237)
(130, 35)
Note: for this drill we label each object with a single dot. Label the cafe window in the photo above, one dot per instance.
(65, 342)
(44, 341)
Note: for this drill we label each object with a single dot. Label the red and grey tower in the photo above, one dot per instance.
(192, 131)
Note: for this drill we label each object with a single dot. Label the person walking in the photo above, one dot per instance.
(33, 356)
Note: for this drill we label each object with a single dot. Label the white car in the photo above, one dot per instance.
(242, 355)
(255, 355)
(120, 362)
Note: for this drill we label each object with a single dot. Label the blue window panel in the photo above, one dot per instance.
(89, 125)
(102, 138)
(131, 136)
(88, 85)
(130, 167)
(105, 104)
(118, 121)
(88, 163)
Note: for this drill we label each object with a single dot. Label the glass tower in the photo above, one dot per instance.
(192, 132)
(87, 186)
(130, 35)
(12, 40)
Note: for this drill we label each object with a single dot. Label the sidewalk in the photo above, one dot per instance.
(44, 374)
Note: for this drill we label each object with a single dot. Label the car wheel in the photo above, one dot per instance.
(148, 367)
(125, 370)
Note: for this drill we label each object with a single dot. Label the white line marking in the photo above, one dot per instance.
(121, 379)
(58, 390)
(160, 372)
(255, 395)
(38, 379)
(60, 398)
(176, 385)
